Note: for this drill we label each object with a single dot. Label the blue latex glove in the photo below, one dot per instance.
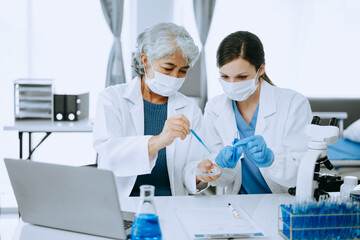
(256, 146)
(226, 159)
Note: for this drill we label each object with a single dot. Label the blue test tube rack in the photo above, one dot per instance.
(320, 221)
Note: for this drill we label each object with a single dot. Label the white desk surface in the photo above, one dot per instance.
(84, 125)
(263, 209)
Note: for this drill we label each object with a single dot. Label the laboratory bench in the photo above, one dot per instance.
(263, 209)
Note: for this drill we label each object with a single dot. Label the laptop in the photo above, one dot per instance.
(78, 199)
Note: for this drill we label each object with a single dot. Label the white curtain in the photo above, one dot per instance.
(113, 12)
(196, 82)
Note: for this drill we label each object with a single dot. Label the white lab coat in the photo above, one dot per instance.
(282, 117)
(118, 138)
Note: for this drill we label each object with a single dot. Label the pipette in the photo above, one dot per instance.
(199, 139)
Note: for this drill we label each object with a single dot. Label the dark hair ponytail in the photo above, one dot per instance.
(245, 45)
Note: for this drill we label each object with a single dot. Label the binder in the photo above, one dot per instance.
(71, 107)
(59, 107)
(77, 106)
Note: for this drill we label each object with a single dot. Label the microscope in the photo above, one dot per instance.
(310, 182)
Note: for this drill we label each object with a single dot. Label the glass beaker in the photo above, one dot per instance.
(146, 224)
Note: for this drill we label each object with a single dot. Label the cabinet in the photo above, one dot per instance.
(33, 98)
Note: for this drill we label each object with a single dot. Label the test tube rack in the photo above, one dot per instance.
(318, 226)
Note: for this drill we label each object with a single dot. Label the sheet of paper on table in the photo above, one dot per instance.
(217, 223)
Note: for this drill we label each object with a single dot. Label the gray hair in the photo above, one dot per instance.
(161, 40)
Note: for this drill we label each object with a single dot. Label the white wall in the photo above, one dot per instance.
(153, 12)
(13, 63)
(311, 46)
(68, 41)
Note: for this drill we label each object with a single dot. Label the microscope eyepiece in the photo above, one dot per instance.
(333, 122)
(315, 120)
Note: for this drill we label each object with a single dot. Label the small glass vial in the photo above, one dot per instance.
(146, 224)
(350, 182)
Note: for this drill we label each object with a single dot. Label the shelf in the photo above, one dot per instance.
(26, 114)
(46, 89)
(35, 98)
(32, 82)
(35, 105)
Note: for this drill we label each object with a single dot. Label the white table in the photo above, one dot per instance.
(263, 209)
(48, 127)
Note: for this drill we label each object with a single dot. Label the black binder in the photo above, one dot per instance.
(59, 107)
(71, 107)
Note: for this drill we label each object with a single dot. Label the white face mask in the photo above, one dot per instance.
(162, 84)
(240, 91)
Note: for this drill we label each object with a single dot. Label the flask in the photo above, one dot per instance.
(350, 182)
(355, 194)
(146, 224)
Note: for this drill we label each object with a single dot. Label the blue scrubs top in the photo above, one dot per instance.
(252, 180)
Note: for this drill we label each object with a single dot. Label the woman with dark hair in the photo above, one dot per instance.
(266, 121)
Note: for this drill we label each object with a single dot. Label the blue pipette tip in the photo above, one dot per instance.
(199, 139)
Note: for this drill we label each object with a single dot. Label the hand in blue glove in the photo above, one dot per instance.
(226, 159)
(262, 156)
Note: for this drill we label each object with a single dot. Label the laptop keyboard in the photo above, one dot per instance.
(128, 224)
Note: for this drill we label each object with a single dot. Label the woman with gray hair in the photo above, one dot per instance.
(142, 128)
